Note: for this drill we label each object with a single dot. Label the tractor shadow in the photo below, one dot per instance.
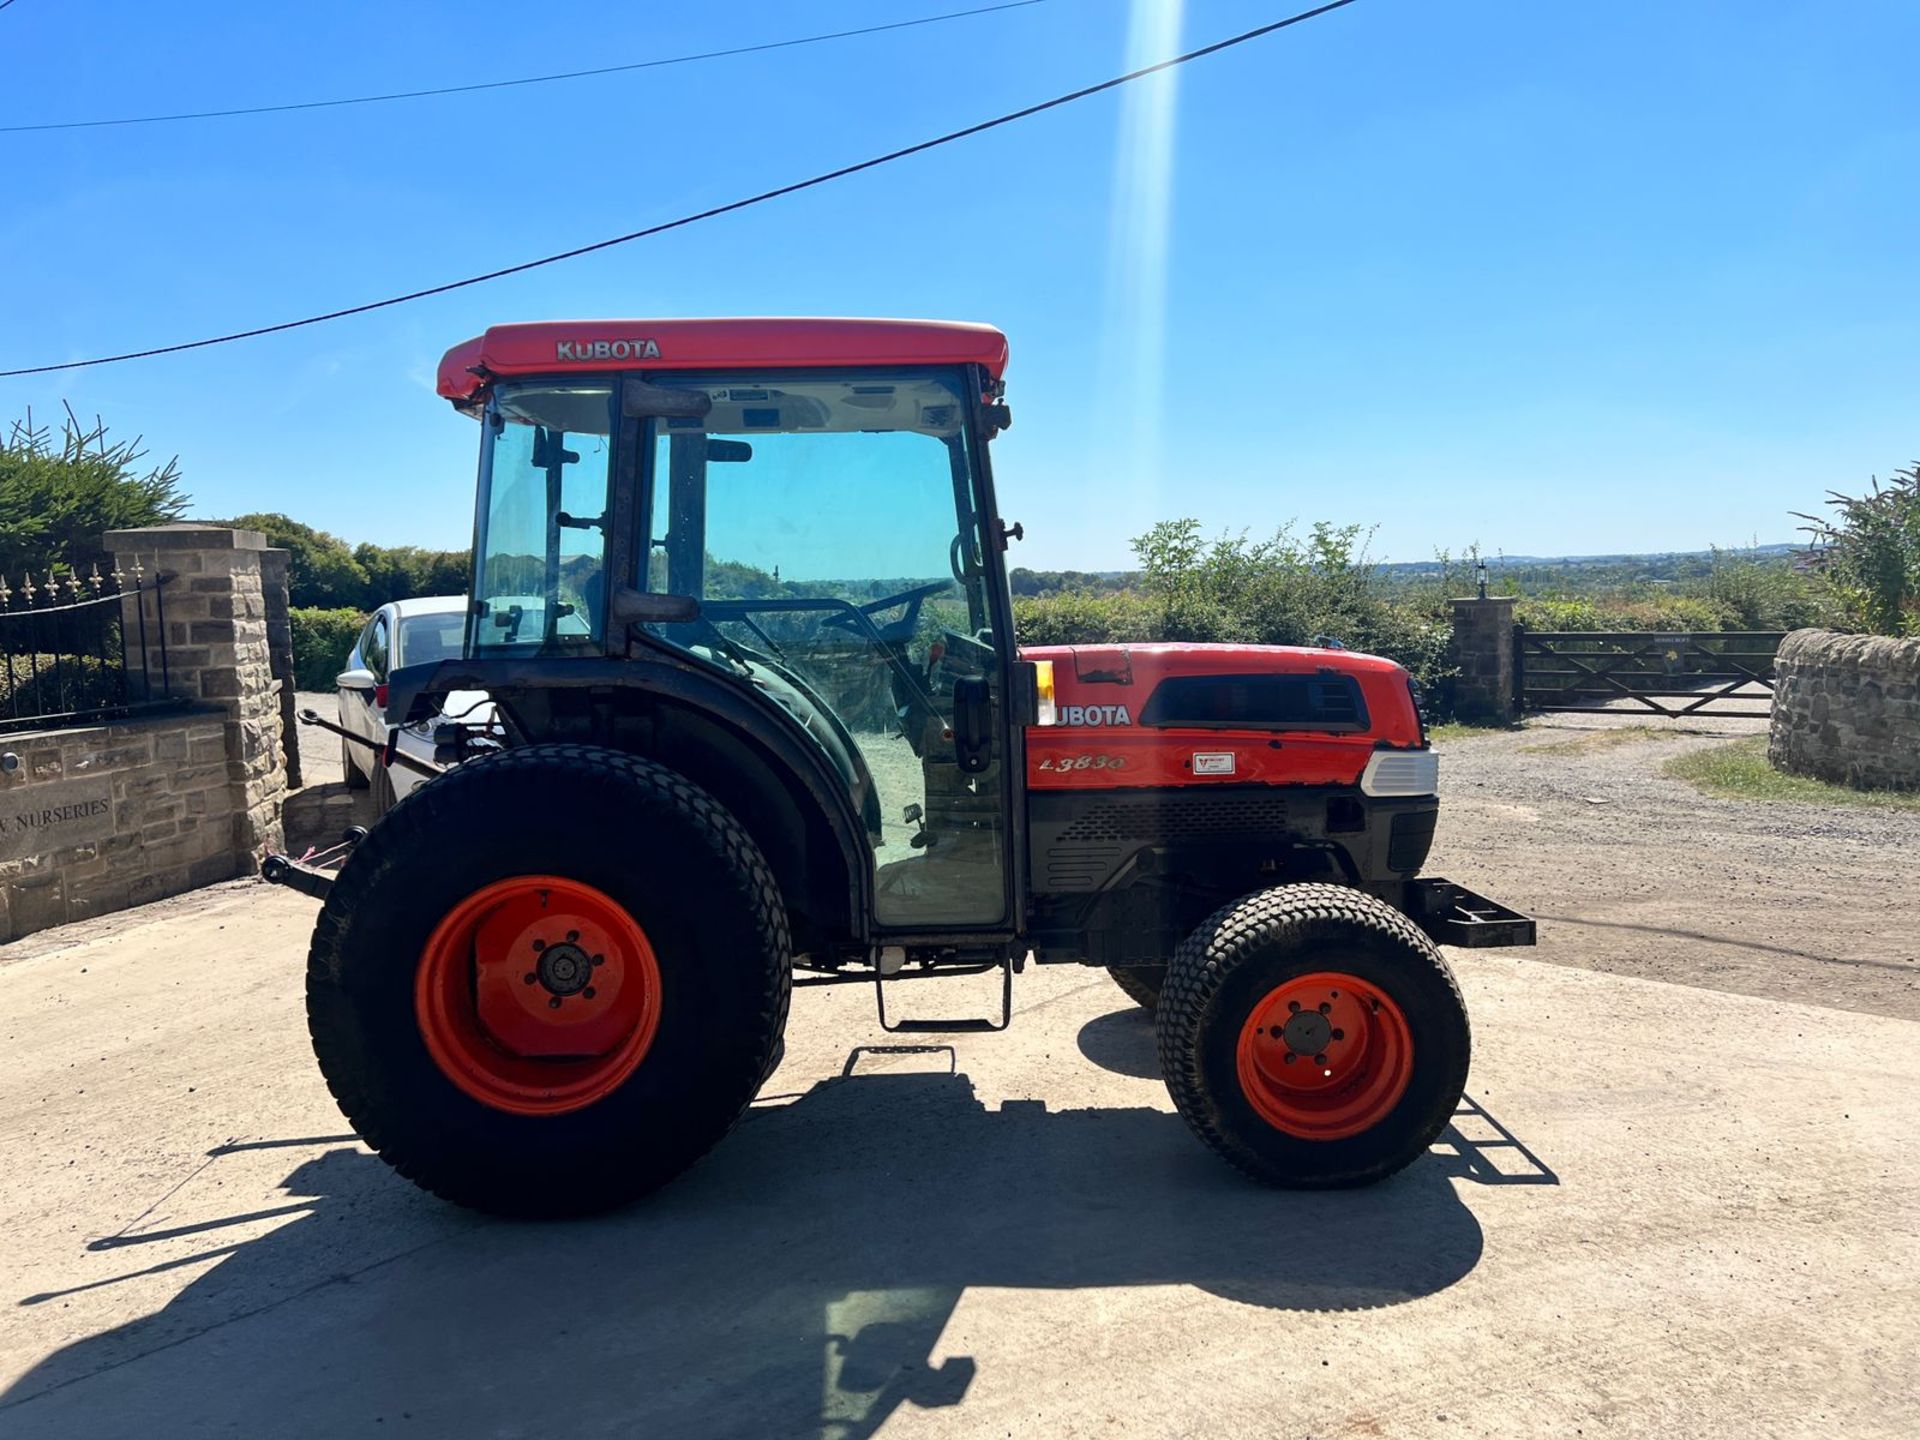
(797, 1283)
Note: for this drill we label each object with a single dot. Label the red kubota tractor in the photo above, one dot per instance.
(740, 602)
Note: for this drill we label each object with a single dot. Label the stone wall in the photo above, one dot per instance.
(1847, 708)
(97, 819)
(217, 651)
(1482, 653)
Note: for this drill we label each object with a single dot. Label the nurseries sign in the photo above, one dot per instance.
(40, 819)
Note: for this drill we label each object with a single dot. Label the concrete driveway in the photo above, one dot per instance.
(1663, 1211)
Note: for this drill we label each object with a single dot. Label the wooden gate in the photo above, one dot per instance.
(1611, 672)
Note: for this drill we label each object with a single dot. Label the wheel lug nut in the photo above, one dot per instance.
(587, 993)
(554, 1003)
(1319, 1059)
(1339, 1034)
(531, 978)
(539, 945)
(1291, 1057)
(572, 935)
(1294, 1006)
(1325, 1008)
(598, 960)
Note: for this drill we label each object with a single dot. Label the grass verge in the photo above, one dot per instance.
(1459, 730)
(1740, 772)
(1610, 739)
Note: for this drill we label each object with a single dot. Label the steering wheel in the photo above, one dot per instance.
(894, 632)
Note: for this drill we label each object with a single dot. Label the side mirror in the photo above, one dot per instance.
(359, 681)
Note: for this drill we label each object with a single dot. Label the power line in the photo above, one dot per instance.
(523, 80)
(845, 170)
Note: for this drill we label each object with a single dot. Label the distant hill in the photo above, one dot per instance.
(1653, 565)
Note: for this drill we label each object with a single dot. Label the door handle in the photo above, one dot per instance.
(972, 724)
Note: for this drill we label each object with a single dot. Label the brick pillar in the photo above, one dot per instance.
(1483, 653)
(217, 651)
(273, 580)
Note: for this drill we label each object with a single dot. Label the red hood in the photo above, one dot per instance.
(1113, 732)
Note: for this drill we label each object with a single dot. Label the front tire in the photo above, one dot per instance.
(550, 981)
(1313, 1037)
(1142, 984)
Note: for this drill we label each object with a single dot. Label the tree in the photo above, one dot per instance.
(321, 570)
(56, 500)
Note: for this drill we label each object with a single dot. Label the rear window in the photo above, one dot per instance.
(1257, 702)
(427, 638)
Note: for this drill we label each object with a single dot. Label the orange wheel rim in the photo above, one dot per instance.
(537, 995)
(1325, 1056)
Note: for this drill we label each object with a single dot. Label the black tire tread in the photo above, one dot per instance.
(1295, 913)
(1141, 984)
(413, 821)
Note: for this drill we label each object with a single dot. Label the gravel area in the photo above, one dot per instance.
(1630, 872)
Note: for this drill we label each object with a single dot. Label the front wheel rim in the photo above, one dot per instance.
(538, 995)
(1325, 1056)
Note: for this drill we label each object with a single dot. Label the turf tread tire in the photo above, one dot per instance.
(408, 1123)
(1243, 946)
(1141, 984)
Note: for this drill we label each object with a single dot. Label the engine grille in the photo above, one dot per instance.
(1204, 814)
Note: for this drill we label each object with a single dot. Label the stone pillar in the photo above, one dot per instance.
(1483, 654)
(273, 580)
(217, 651)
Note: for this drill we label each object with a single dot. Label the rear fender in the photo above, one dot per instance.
(743, 749)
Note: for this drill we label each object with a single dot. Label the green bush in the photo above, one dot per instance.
(1079, 617)
(1280, 591)
(62, 684)
(1869, 554)
(321, 642)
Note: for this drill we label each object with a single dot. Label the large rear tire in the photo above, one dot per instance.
(549, 982)
(1313, 1037)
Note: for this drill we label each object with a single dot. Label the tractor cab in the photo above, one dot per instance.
(803, 511)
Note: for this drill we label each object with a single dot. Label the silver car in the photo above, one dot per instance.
(403, 632)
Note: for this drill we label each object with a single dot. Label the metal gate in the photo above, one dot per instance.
(1610, 672)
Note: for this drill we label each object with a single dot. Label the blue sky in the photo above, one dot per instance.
(1553, 278)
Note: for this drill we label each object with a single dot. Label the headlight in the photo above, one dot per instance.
(1401, 772)
(1049, 713)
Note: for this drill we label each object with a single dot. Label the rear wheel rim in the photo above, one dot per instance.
(538, 995)
(1325, 1056)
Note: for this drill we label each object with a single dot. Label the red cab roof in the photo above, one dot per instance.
(560, 346)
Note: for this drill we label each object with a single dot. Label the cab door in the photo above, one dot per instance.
(833, 527)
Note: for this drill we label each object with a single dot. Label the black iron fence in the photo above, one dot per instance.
(75, 649)
(1718, 673)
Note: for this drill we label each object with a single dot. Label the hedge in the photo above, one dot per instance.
(322, 640)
